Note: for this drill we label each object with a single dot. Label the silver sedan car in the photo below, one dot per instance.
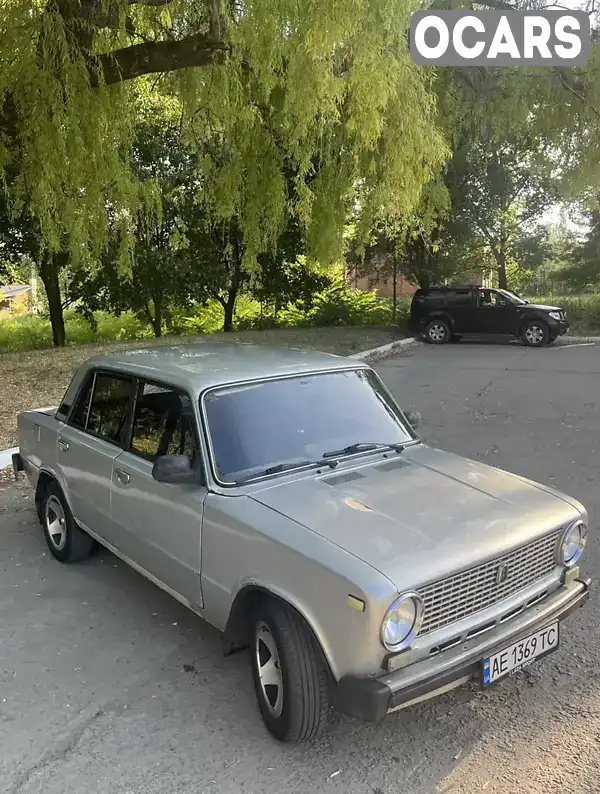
(284, 497)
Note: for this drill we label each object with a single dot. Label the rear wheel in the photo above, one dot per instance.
(291, 676)
(66, 541)
(535, 333)
(438, 332)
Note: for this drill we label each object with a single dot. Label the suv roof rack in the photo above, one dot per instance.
(455, 286)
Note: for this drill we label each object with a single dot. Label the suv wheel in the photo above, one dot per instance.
(535, 333)
(66, 541)
(438, 332)
(291, 676)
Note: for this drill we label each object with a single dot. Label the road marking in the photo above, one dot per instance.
(582, 344)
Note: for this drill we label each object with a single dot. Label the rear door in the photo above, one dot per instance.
(461, 308)
(157, 526)
(90, 441)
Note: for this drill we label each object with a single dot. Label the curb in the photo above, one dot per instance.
(6, 456)
(566, 339)
(374, 354)
(383, 351)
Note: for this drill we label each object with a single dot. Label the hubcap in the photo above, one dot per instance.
(437, 332)
(269, 669)
(55, 523)
(534, 334)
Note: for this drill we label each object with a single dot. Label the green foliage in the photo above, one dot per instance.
(581, 269)
(583, 312)
(30, 332)
(339, 305)
(326, 87)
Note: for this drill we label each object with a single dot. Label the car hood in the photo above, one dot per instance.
(541, 307)
(418, 516)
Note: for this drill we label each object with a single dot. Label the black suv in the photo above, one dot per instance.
(445, 314)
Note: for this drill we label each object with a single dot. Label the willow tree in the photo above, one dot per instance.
(327, 88)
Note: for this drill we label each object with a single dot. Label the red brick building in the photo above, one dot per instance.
(385, 284)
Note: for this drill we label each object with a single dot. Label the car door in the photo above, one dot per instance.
(157, 526)
(461, 307)
(494, 313)
(89, 442)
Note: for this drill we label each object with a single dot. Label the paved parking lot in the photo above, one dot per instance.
(108, 685)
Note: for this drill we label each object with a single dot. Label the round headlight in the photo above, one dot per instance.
(402, 622)
(572, 543)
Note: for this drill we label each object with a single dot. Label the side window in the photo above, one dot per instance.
(109, 409)
(459, 298)
(81, 409)
(490, 298)
(163, 424)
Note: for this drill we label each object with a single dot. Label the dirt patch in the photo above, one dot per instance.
(37, 378)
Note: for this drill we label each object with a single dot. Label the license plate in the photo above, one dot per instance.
(522, 653)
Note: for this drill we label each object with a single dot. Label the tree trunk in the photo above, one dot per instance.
(49, 271)
(395, 290)
(157, 319)
(501, 260)
(228, 310)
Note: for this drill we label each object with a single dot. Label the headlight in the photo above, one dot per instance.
(402, 622)
(555, 315)
(572, 543)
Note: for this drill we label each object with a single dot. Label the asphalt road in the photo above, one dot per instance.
(108, 685)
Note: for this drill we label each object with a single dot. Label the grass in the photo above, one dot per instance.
(38, 378)
(583, 312)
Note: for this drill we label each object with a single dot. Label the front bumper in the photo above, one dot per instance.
(371, 699)
(558, 327)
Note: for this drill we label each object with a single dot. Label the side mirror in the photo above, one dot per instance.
(413, 418)
(175, 470)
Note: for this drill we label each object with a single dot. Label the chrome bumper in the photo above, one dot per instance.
(372, 698)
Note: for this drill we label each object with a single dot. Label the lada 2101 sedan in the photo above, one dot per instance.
(284, 497)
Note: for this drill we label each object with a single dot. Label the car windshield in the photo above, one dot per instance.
(258, 426)
(512, 296)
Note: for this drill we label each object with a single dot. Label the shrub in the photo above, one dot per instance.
(583, 311)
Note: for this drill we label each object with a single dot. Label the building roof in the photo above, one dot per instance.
(12, 290)
(199, 366)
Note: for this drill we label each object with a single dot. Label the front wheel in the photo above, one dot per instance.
(66, 540)
(438, 332)
(291, 676)
(535, 334)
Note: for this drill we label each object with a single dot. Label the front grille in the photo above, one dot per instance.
(468, 592)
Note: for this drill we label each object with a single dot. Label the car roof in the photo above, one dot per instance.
(199, 366)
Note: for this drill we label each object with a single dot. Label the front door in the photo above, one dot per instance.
(495, 314)
(158, 526)
(90, 442)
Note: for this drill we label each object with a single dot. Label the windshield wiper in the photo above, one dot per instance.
(279, 467)
(362, 446)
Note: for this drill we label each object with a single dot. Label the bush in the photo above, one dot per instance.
(583, 312)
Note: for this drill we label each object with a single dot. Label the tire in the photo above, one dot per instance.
(535, 333)
(66, 541)
(438, 332)
(295, 704)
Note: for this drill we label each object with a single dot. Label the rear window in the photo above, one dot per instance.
(459, 298)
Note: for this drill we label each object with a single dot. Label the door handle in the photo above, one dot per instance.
(122, 476)
(64, 445)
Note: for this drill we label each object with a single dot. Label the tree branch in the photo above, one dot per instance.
(157, 56)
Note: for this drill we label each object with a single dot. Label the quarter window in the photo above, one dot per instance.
(80, 413)
(163, 424)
